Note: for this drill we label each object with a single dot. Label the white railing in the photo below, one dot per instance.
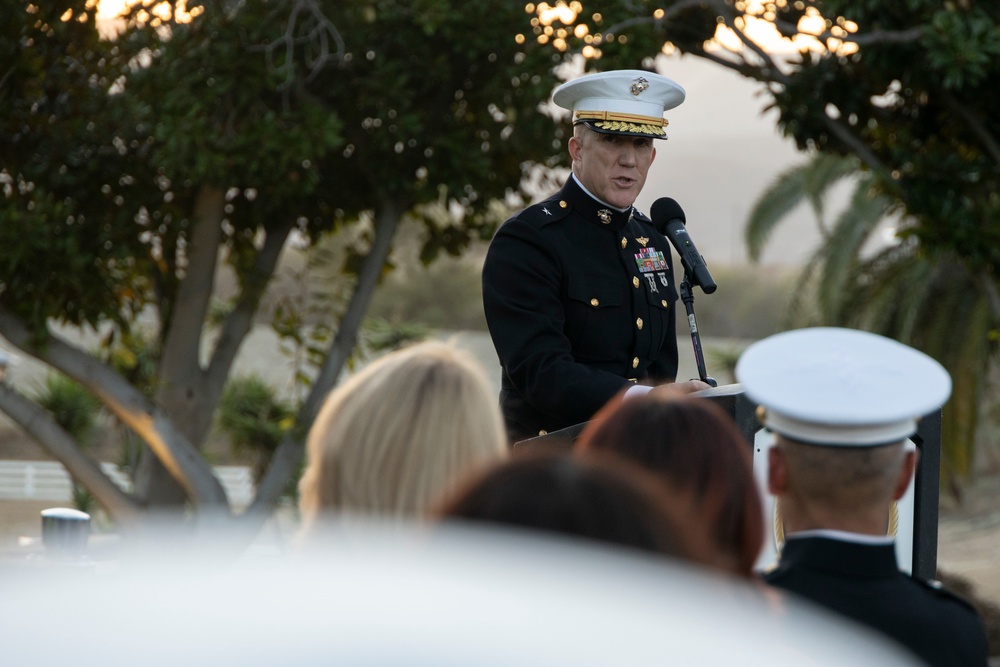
(48, 480)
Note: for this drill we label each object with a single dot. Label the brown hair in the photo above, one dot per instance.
(698, 452)
(600, 496)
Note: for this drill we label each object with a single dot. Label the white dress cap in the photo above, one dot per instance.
(841, 387)
(627, 101)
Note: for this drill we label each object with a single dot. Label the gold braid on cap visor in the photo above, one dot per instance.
(623, 122)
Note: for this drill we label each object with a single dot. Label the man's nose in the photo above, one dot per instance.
(627, 155)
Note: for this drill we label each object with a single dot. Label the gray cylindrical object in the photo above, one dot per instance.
(65, 530)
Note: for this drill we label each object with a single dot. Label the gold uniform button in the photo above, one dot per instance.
(638, 323)
(543, 432)
(563, 204)
(664, 303)
(635, 362)
(635, 283)
(595, 302)
(624, 242)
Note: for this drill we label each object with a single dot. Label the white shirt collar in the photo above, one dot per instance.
(582, 187)
(843, 536)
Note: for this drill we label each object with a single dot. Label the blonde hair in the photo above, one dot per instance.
(399, 433)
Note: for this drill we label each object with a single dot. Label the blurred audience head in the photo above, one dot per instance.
(695, 448)
(600, 496)
(399, 433)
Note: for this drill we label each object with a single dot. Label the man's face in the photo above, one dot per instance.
(612, 167)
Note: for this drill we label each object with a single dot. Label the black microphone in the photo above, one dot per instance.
(668, 217)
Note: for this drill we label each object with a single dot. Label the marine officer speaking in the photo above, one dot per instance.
(578, 289)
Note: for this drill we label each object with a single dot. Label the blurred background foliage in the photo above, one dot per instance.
(414, 127)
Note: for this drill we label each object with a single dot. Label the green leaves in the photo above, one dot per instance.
(72, 407)
(252, 416)
(962, 46)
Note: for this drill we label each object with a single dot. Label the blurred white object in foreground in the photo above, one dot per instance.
(371, 596)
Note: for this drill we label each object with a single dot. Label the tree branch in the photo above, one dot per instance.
(288, 456)
(859, 147)
(386, 223)
(769, 64)
(742, 68)
(668, 13)
(176, 453)
(240, 320)
(975, 125)
(40, 425)
(874, 37)
(182, 343)
(321, 32)
(720, 8)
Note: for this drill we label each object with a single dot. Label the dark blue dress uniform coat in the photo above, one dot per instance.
(580, 301)
(862, 582)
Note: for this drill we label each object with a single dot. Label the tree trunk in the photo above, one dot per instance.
(155, 486)
(179, 390)
(189, 390)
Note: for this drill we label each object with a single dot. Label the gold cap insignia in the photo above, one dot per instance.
(639, 85)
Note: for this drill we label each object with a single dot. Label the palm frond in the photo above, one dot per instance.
(809, 181)
(802, 309)
(918, 297)
(933, 305)
(877, 287)
(839, 255)
(784, 193)
(821, 174)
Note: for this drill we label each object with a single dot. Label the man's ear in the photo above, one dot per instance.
(777, 471)
(905, 473)
(653, 157)
(574, 148)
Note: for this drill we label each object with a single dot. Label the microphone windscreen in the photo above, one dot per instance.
(664, 210)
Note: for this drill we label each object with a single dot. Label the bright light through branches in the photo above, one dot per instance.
(556, 23)
(154, 12)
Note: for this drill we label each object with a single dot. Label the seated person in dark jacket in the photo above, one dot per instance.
(841, 403)
(578, 289)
